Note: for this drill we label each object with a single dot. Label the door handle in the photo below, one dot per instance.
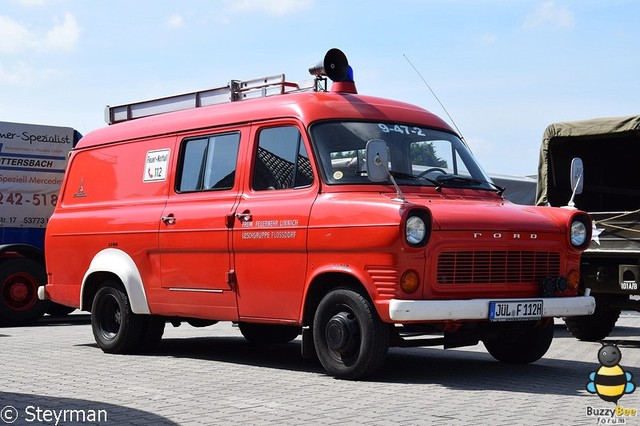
(245, 216)
(169, 220)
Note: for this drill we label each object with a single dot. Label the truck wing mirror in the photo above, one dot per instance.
(377, 156)
(577, 175)
(577, 179)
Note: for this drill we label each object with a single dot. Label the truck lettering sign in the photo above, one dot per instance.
(499, 235)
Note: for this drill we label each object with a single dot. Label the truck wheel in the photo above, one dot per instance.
(591, 328)
(115, 327)
(20, 278)
(350, 339)
(522, 346)
(267, 333)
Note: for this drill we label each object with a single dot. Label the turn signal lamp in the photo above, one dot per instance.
(573, 279)
(410, 281)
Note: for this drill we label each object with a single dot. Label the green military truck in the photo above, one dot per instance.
(593, 165)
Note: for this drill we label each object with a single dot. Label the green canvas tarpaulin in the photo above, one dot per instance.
(567, 133)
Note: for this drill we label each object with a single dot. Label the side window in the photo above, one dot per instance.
(208, 163)
(282, 161)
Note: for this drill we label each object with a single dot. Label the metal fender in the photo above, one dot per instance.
(120, 263)
(346, 270)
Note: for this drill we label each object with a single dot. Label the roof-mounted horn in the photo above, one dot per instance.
(337, 68)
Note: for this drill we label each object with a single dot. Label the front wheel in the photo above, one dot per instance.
(350, 339)
(523, 345)
(115, 327)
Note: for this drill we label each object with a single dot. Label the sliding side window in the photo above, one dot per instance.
(209, 163)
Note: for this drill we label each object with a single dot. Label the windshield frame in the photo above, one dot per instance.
(339, 146)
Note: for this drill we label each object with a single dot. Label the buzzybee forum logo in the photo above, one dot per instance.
(610, 382)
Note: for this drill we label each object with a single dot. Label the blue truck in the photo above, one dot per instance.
(32, 163)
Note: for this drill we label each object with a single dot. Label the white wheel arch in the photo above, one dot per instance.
(120, 264)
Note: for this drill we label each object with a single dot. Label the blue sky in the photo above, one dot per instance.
(504, 69)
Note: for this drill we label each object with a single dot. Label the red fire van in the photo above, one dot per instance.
(355, 221)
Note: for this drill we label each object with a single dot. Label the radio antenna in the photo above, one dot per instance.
(435, 96)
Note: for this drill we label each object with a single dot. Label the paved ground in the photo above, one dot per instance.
(53, 373)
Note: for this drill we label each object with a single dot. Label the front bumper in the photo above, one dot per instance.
(478, 309)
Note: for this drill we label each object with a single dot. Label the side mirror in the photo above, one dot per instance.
(577, 176)
(377, 155)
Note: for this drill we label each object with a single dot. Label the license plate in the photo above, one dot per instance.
(515, 311)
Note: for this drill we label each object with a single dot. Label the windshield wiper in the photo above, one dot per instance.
(465, 180)
(403, 175)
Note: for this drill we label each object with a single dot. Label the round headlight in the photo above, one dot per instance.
(578, 233)
(416, 230)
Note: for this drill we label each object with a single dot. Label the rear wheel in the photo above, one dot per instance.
(350, 339)
(267, 333)
(115, 327)
(522, 346)
(19, 281)
(592, 328)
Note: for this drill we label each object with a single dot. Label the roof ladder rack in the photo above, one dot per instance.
(234, 91)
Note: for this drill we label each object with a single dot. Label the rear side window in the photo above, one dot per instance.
(208, 163)
(282, 161)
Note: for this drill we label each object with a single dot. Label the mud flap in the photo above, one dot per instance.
(308, 348)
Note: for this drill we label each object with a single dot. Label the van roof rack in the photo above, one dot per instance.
(235, 90)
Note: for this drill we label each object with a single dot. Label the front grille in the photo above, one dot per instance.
(496, 267)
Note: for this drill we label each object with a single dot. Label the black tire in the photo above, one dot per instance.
(591, 328)
(350, 339)
(268, 333)
(522, 346)
(58, 310)
(115, 327)
(20, 278)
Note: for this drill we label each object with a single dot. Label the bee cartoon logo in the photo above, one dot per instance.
(610, 382)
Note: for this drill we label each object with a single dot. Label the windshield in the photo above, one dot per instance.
(417, 155)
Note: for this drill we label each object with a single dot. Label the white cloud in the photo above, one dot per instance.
(20, 75)
(272, 7)
(175, 21)
(549, 15)
(24, 74)
(13, 35)
(64, 35)
(16, 37)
